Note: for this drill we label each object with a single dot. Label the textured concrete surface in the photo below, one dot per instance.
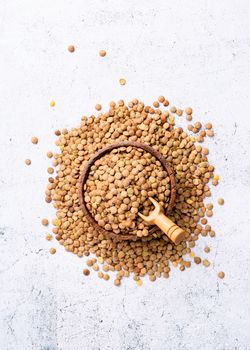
(195, 53)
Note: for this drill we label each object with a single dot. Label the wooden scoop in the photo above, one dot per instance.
(157, 217)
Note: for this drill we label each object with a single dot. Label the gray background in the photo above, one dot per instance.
(195, 53)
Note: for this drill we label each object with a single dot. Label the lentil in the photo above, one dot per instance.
(197, 260)
(122, 81)
(49, 154)
(189, 110)
(206, 263)
(221, 274)
(98, 107)
(52, 251)
(102, 53)
(119, 185)
(86, 272)
(34, 140)
(45, 222)
(71, 48)
(220, 201)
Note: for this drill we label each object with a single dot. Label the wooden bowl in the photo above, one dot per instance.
(101, 153)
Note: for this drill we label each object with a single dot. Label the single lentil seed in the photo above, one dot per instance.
(49, 154)
(189, 110)
(34, 140)
(197, 260)
(117, 282)
(102, 53)
(71, 48)
(206, 249)
(220, 201)
(52, 250)
(45, 222)
(221, 274)
(206, 263)
(122, 81)
(98, 107)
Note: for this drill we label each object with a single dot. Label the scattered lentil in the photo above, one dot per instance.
(27, 161)
(197, 260)
(71, 48)
(102, 53)
(139, 283)
(52, 251)
(106, 277)
(50, 170)
(34, 140)
(98, 107)
(206, 263)
(122, 81)
(117, 282)
(161, 99)
(220, 201)
(45, 222)
(100, 274)
(86, 272)
(221, 274)
(208, 126)
(49, 154)
(210, 133)
(189, 110)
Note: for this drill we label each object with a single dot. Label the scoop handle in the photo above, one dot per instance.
(174, 232)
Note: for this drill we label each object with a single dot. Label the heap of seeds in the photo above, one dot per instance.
(119, 185)
(154, 126)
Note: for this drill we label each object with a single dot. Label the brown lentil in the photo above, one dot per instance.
(117, 282)
(49, 154)
(102, 53)
(98, 107)
(27, 161)
(206, 249)
(71, 48)
(189, 110)
(50, 170)
(122, 81)
(220, 201)
(52, 251)
(206, 263)
(45, 222)
(221, 274)
(34, 140)
(197, 260)
(208, 126)
(121, 185)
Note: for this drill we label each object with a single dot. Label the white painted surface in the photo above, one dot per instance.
(195, 53)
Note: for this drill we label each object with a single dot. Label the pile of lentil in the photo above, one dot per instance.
(150, 254)
(119, 186)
